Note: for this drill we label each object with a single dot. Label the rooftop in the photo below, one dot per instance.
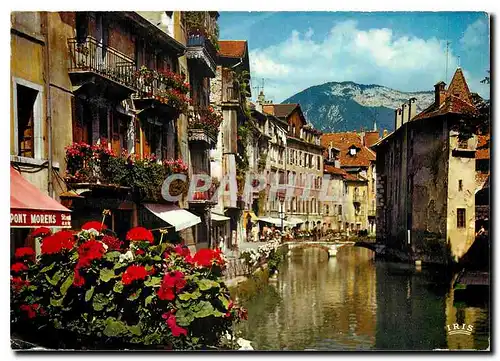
(232, 48)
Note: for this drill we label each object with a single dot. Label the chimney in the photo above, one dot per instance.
(337, 163)
(439, 93)
(397, 118)
(404, 114)
(261, 99)
(384, 134)
(412, 104)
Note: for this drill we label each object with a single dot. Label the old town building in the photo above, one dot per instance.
(347, 154)
(303, 167)
(230, 160)
(426, 177)
(120, 82)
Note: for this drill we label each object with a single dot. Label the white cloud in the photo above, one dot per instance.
(347, 53)
(475, 35)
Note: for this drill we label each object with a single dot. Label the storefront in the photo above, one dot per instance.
(30, 208)
(170, 217)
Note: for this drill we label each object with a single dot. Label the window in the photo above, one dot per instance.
(340, 210)
(327, 209)
(463, 143)
(352, 151)
(460, 185)
(27, 119)
(460, 217)
(319, 163)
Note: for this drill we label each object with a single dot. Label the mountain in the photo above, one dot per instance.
(349, 106)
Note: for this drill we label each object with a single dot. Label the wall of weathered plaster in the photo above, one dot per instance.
(423, 191)
(429, 170)
(461, 168)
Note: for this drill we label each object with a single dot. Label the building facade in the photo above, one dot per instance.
(426, 179)
(303, 168)
(127, 83)
(348, 154)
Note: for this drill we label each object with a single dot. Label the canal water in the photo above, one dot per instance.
(352, 302)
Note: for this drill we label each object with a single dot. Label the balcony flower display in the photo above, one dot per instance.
(165, 86)
(89, 296)
(208, 119)
(144, 176)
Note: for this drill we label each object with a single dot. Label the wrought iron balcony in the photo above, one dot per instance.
(201, 50)
(92, 62)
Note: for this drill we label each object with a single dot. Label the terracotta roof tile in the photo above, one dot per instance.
(284, 110)
(483, 147)
(330, 169)
(457, 100)
(371, 138)
(232, 48)
(343, 141)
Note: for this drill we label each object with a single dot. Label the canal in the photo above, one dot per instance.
(352, 302)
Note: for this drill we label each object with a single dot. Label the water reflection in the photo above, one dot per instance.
(352, 303)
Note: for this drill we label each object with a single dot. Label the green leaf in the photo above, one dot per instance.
(190, 296)
(57, 302)
(106, 274)
(149, 299)
(118, 287)
(48, 268)
(206, 284)
(154, 281)
(184, 317)
(205, 309)
(135, 330)
(89, 293)
(110, 256)
(99, 302)
(224, 300)
(55, 279)
(135, 295)
(114, 327)
(67, 283)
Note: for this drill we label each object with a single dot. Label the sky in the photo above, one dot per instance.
(291, 51)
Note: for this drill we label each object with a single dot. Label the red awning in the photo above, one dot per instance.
(31, 208)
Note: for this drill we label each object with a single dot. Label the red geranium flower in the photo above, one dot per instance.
(172, 283)
(41, 232)
(133, 273)
(171, 321)
(24, 252)
(139, 252)
(18, 267)
(30, 309)
(89, 251)
(207, 257)
(78, 280)
(114, 244)
(18, 283)
(98, 226)
(62, 240)
(182, 250)
(140, 234)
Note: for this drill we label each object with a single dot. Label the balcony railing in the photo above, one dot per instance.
(92, 56)
(201, 40)
(201, 48)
